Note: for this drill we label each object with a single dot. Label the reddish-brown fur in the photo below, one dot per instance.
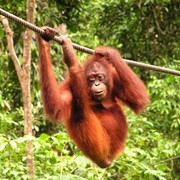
(98, 129)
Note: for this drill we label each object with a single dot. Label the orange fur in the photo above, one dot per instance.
(98, 129)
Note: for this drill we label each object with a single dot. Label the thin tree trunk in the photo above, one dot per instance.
(24, 78)
(26, 87)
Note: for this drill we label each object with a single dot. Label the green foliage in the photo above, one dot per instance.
(144, 31)
(12, 158)
(166, 103)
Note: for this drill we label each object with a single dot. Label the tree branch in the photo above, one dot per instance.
(169, 159)
(28, 37)
(10, 42)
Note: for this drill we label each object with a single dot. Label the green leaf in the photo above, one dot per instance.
(13, 144)
(3, 146)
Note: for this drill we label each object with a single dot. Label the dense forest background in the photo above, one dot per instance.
(146, 31)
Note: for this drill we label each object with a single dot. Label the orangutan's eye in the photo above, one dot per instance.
(100, 77)
(91, 78)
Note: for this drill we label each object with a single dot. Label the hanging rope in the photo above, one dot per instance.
(85, 49)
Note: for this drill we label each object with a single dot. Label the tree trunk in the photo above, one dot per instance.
(24, 78)
(26, 87)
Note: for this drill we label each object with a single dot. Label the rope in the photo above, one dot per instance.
(41, 31)
(85, 49)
